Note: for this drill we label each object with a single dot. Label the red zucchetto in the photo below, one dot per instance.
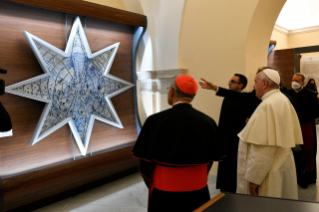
(187, 84)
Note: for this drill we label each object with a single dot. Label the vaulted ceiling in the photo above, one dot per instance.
(299, 14)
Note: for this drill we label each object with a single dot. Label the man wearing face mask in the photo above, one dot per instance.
(306, 106)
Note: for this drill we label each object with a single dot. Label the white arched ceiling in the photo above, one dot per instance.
(299, 14)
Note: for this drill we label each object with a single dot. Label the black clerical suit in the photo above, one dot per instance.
(236, 108)
(307, 108)
(5, 121)
(176, 148)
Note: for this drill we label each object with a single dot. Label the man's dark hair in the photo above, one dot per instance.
(179, 93)
(242, 80)
(301, 75)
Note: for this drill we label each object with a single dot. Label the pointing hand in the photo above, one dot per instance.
(207, 85)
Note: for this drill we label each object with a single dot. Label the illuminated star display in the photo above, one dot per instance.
(76, 85)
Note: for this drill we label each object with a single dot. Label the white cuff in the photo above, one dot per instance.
(5, 134)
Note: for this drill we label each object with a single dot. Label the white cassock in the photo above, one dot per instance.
(264, 152)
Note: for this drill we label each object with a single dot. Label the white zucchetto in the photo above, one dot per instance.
(273, 75)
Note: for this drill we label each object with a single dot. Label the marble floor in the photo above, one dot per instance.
(312, 192)
(129, 194)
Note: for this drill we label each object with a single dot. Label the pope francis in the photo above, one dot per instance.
(266, 164)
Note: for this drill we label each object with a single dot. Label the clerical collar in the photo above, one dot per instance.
(180, 102)
(266, 95)
(299, 90)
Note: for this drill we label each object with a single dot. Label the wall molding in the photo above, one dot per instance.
(295, 31)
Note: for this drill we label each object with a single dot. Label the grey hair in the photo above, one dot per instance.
(179, 93)
(271, 83)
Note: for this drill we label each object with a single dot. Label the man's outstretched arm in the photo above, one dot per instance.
(207, 85)
(225, 92)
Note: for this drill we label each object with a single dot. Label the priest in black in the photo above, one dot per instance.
(236, 109)
(176, 149)
(5, 120)
(306, 106)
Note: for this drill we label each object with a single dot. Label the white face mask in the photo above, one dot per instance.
(295, 85)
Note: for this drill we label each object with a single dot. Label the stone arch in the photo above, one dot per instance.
(259, 33)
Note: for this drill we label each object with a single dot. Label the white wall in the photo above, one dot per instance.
(282, 40)
(295, 40)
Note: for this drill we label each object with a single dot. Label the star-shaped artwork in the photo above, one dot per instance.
(76, 85)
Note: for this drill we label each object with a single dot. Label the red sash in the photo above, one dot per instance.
(180, 179)
(308, 140)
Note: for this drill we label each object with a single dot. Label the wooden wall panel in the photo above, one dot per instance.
(30, 173)
(36, 185)
(17, 57)
(283, 60)
(89, 9)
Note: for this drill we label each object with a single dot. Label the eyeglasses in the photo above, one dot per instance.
(233, 81)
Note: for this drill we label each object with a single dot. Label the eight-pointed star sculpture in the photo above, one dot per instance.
(76, 85)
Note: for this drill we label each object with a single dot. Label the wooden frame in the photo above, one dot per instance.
(88, 9)
(31, 186)
(210, 202)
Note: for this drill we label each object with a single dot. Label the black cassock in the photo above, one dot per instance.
(236, 108)
(307, 108)
(5, 121)
(176, 148)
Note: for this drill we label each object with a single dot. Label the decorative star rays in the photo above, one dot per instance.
(76, 86)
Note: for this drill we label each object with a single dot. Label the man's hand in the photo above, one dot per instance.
(253, 188)
(207, 85)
